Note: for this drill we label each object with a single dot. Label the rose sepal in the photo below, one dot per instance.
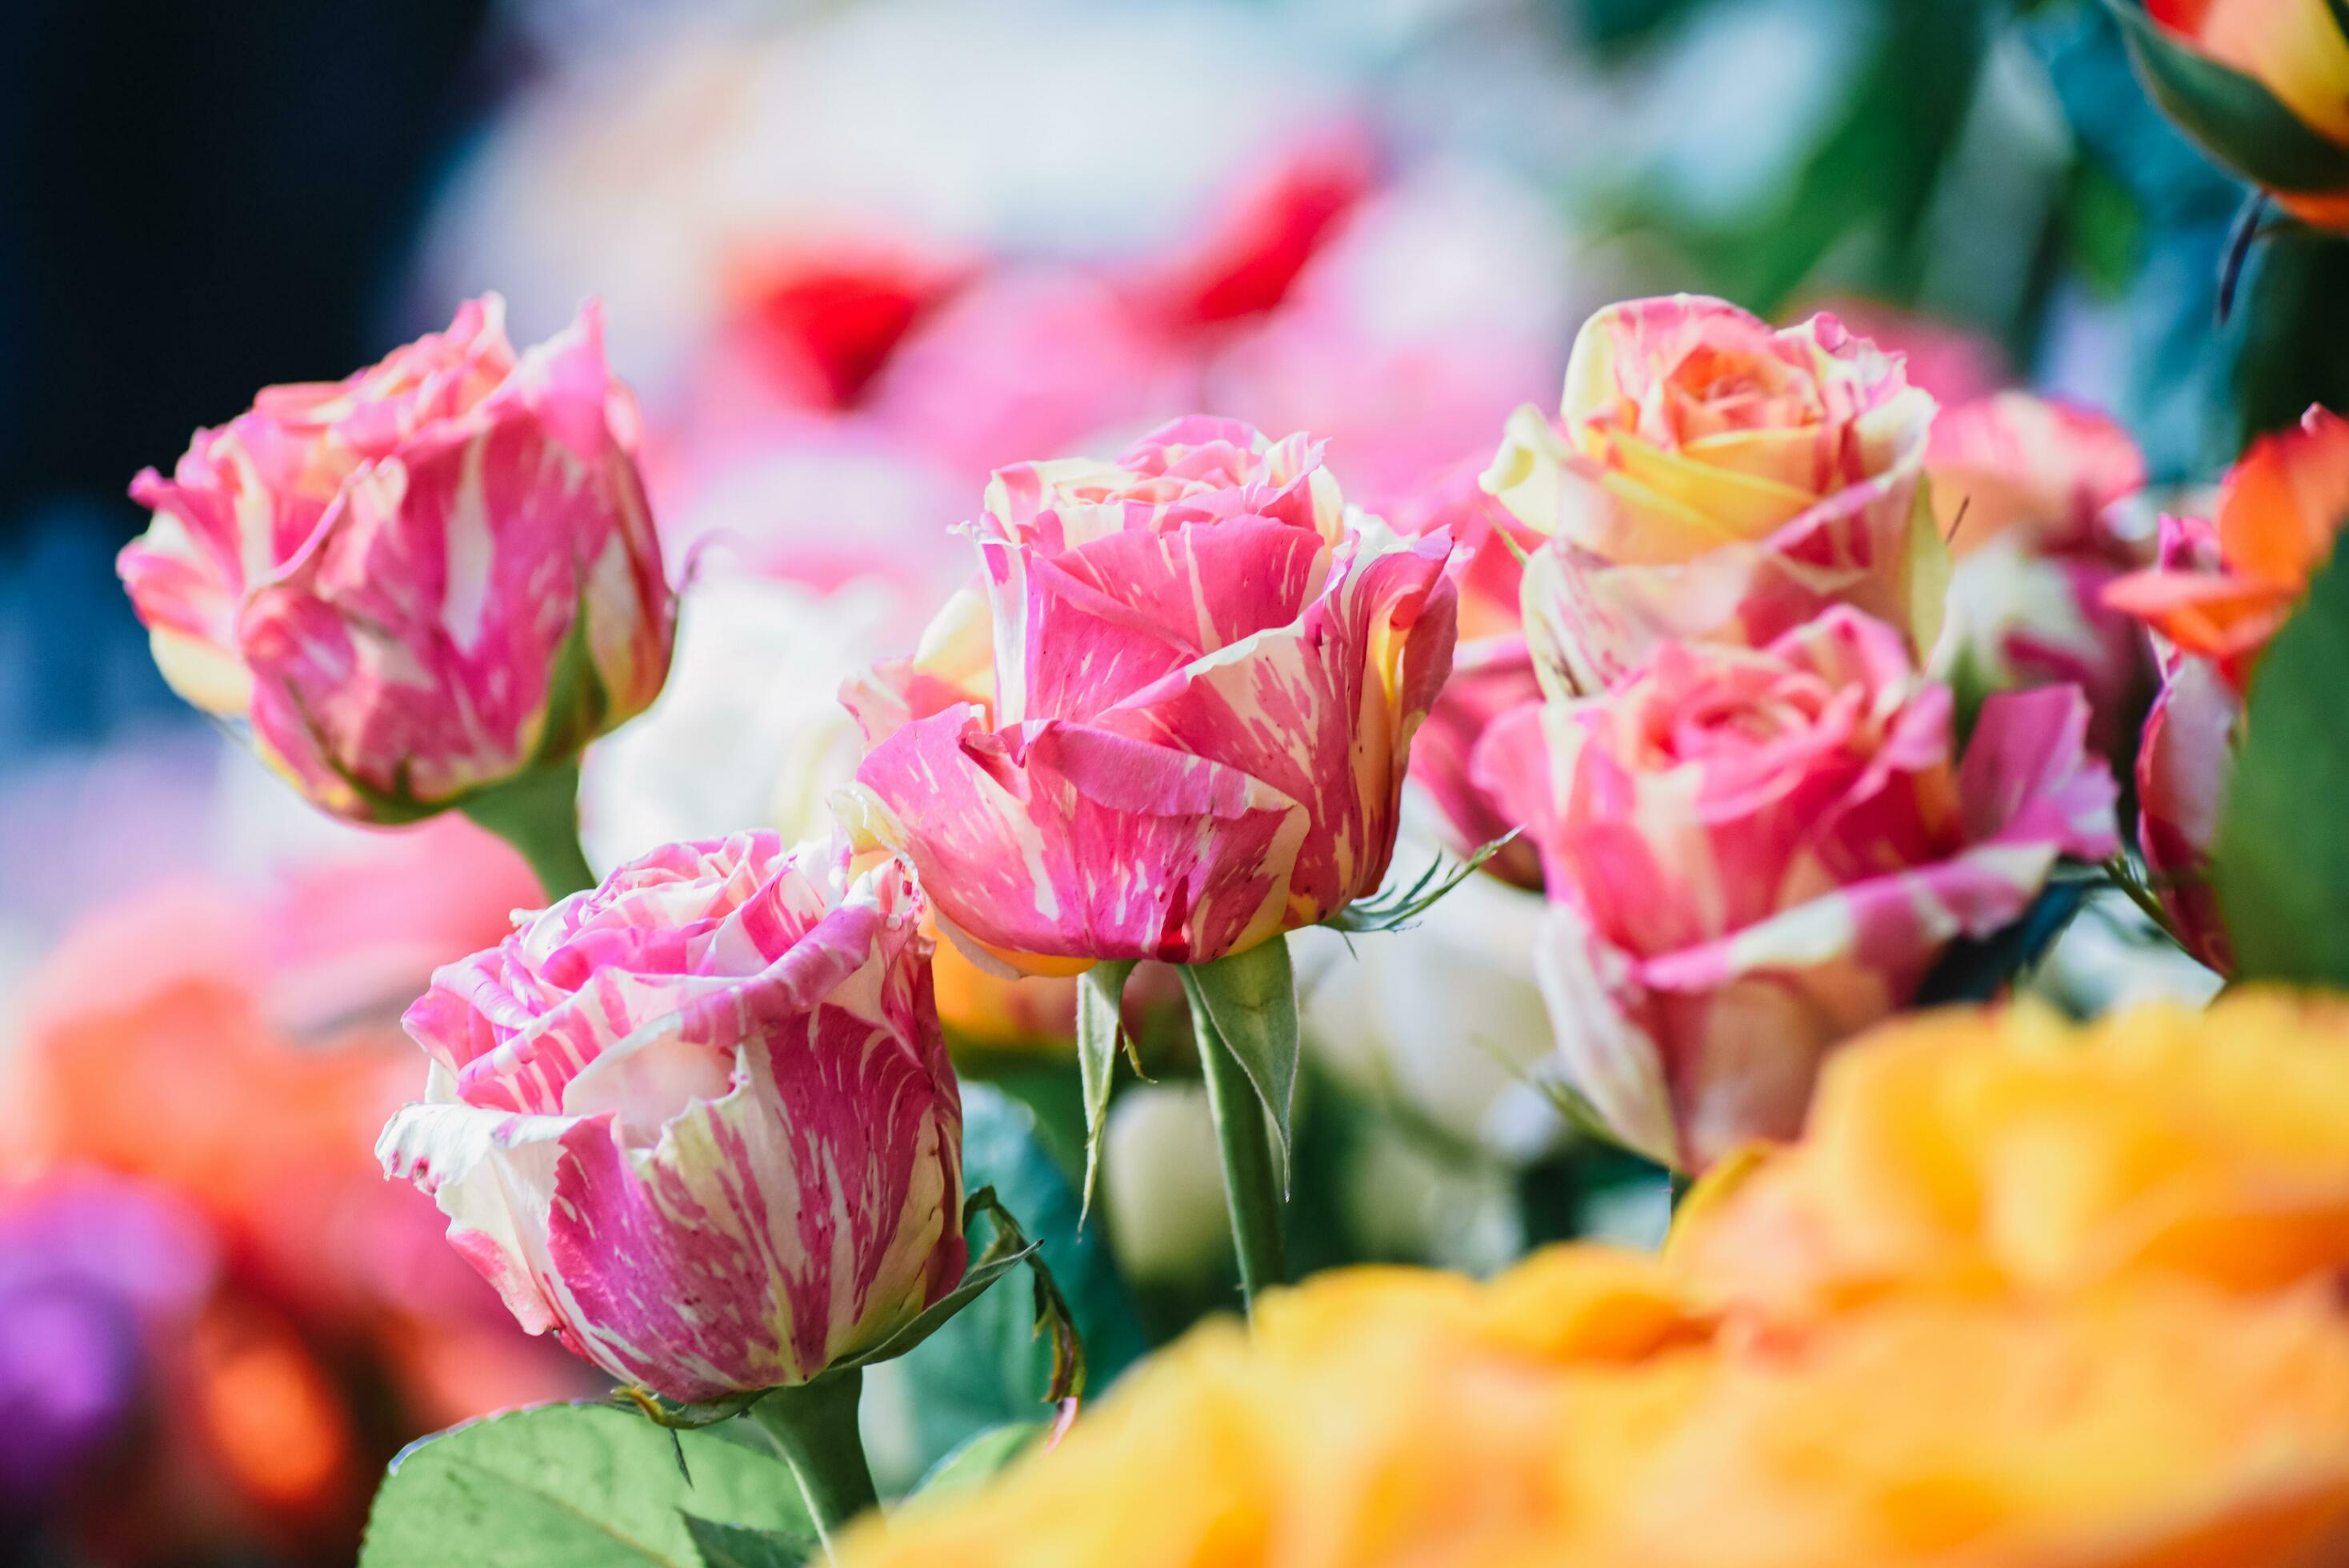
(814, 1423)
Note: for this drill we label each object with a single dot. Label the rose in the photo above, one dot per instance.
(2018, 618)
(2185, 760)
(2024, 488)
(1240, 257)
(2218, 596)
(2012, 463)
(1956, 364)
(1492, 669)
(812, 317)
(1710, 478)
(1567, 1411)
(699, 1120)
(2016, 1152)
(2221, 591)
(1751, 854)
(2263, 85)
(1204, 681)
(418, 582)
(1370, 1416)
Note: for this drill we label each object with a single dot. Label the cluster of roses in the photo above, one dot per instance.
(699, 1120)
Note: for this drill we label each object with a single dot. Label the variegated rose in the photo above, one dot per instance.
(699, 1121)
(418, 581)
(2024, 488)
(1492, 669)
(1752, 855)
(1205, 676)
(1710, 478)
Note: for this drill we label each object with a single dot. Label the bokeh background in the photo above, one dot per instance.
(854, 256)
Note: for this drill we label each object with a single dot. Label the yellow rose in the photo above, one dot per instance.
(2172, 1427)
(2086, 1318)
(2016, 1153)
(1710, 478)
(1394, 1417)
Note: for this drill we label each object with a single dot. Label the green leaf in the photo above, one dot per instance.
(978, 1459)
(570, 1486)
(990, 1367)
(1100, 991)
(743, 1546)
(2281, 862)
(1251, 1000)
(1849, 208)
(2237, 120)
(990, 1266)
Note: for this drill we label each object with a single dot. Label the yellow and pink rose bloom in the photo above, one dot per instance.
(1710, 478)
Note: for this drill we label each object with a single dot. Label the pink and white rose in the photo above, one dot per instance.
(417, 582)
(1492, 669)
(699, 1120)
(1711, 478)
(2024, 489)
(2014, 462)
(2185, 761)
(1205, 677)
(1751, 854)
(2186, 756)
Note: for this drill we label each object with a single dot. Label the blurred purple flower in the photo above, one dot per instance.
(93, 1271)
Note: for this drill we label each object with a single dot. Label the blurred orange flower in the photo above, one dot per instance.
(1392, 1416)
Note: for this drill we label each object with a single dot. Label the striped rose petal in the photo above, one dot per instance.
(699, 1120)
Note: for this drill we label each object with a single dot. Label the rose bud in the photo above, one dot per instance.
(1206, 678)
(1709, 479)
(699, 1120)
(417, 583)
(1752, 854)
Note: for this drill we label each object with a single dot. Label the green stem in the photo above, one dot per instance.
(814, 1425)
(1251, 1190)
(538, 813)
(2122, 874)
